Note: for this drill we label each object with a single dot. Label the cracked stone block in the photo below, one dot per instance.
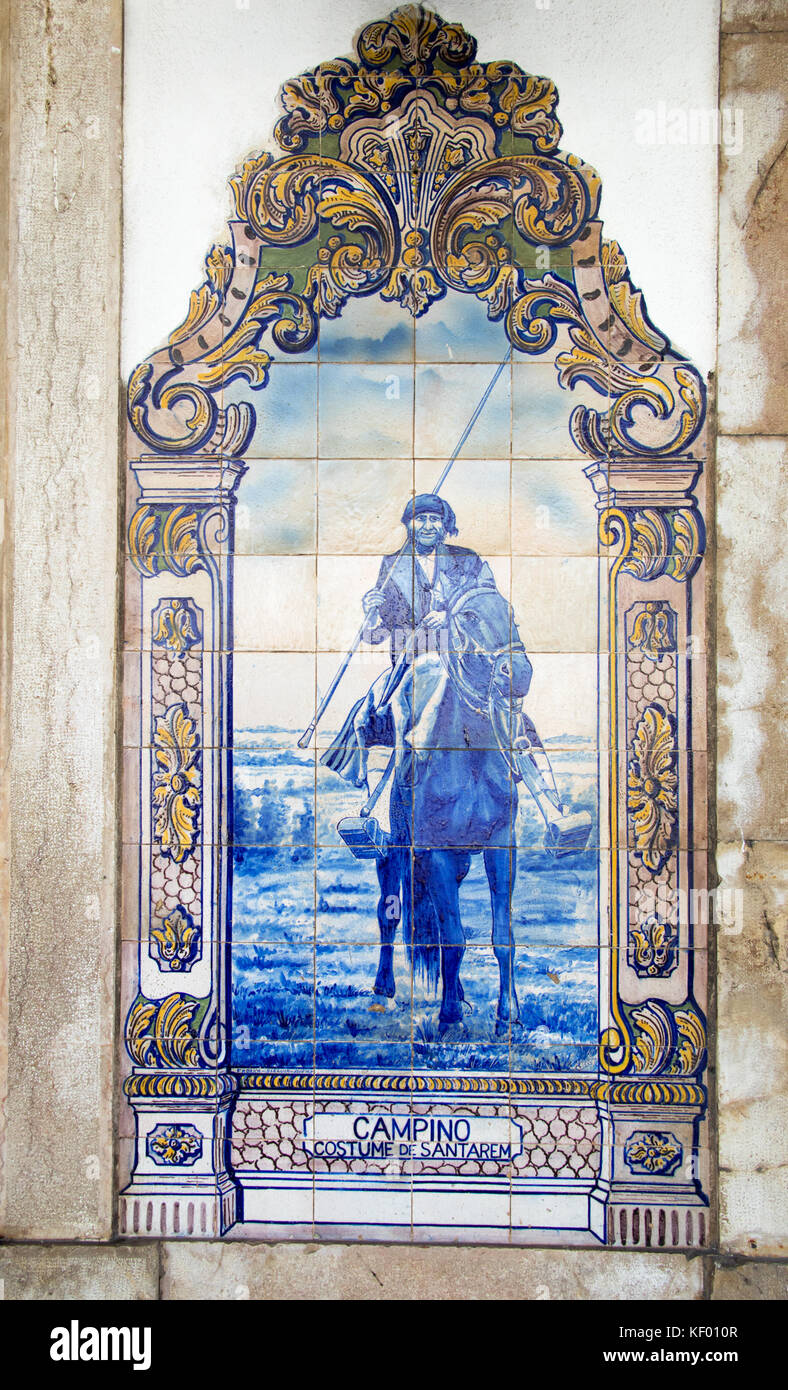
(79, 1272)
(752, 1050)
(339, 1272)
(753, 339)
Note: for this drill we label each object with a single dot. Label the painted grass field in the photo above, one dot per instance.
(305, 934)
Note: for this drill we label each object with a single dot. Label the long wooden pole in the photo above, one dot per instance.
(327, 698)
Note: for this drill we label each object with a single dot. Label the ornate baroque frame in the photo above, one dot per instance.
(408, 171)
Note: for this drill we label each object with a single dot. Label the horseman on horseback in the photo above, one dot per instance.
(450, 710)
(444, 709)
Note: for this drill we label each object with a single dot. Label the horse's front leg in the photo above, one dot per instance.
(501, 866)
(444, 887)
(389, 868)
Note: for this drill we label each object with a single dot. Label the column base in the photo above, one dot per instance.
(148, 1211)
(648, 1195)
(181, 1183)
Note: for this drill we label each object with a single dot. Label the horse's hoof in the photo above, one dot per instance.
(450, 1022)
(504, 1026)
(453, 1031)
(383, 1005)
(387, 989)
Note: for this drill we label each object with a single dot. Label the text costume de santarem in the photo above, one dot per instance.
(414, 176)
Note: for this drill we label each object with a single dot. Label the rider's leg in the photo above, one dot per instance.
(445, 893)
(501, 866)
(389, 867)
(463, 866)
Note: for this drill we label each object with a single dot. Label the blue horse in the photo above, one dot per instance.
(451, 718)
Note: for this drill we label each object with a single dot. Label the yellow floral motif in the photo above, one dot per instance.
(176, 782)
(657, 1153)
(173, 1144)
(177, 938)
(653, 942)
(652, 783)
(653, 630)
(176, 628)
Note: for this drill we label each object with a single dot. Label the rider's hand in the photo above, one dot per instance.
(434, 619)
(372, 602)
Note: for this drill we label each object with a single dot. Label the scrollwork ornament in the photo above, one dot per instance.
(422, 195)
(415, 47)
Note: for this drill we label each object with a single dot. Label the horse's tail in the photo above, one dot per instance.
(419, 924)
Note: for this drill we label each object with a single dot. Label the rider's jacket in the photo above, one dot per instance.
(410, 594)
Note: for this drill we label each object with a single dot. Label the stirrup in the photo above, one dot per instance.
(363, 836)
(568, 834)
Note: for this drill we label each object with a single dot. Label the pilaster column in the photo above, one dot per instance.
(653, 972)
(178, 731)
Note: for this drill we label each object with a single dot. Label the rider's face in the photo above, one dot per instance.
(427, 530)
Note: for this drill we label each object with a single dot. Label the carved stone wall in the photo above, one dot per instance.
(59, 718)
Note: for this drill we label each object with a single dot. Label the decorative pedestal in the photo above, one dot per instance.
(188, 1135)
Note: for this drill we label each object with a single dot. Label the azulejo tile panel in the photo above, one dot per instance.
(414, 693)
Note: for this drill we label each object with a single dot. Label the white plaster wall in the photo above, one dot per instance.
(201, 78)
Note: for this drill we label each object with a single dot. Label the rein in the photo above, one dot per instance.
(480, 704)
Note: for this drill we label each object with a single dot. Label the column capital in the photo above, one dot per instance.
(201, 478)
(644, 482)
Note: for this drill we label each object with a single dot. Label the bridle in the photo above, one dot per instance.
(487, 704)
(478, 704)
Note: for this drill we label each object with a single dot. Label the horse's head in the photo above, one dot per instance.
(486, 647)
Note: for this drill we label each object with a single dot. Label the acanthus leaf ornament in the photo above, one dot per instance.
(160, 1033)
(176, 792)
(652, 788)
(667, 1040)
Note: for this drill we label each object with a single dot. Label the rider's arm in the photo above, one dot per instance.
(376, 604)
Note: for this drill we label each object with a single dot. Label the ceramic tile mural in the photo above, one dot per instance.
(414, 733)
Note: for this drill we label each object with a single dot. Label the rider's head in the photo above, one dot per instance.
(429, 520)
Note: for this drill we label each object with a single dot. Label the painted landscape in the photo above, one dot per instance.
(306, 944)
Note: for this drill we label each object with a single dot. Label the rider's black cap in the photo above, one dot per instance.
(428, 502)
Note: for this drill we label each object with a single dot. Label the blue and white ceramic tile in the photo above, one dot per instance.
(409, 713)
